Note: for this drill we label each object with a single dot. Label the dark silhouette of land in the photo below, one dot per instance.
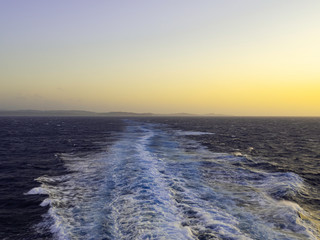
(89, 113)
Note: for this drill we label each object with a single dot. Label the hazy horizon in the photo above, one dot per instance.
(242, 58)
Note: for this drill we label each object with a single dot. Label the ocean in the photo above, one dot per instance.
(159, 178)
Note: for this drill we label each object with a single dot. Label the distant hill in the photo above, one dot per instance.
(180, 114)
(68, 113)
(215, 115)
(124, 114)
(46, 113)
(89, 113)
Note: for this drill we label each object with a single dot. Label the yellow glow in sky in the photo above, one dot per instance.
(226, 57)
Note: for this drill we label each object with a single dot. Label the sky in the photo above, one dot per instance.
(233, 57)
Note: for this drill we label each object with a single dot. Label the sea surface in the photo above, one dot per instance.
(159, 178)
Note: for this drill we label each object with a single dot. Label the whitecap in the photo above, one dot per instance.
(37, 190)
(192, 133)
(45, 202)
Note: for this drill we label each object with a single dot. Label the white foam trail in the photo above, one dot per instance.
(151, 200)
(151, 184)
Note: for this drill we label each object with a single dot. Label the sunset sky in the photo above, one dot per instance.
(238, 57)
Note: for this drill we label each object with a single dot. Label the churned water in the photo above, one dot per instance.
(166, 178)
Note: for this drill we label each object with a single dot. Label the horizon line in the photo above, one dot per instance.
(73, 112)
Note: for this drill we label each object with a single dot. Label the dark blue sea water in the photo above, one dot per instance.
(159, 178)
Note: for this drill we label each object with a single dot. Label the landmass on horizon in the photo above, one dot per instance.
(97, 114)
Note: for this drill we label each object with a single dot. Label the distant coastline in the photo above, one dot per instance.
(95, 114)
